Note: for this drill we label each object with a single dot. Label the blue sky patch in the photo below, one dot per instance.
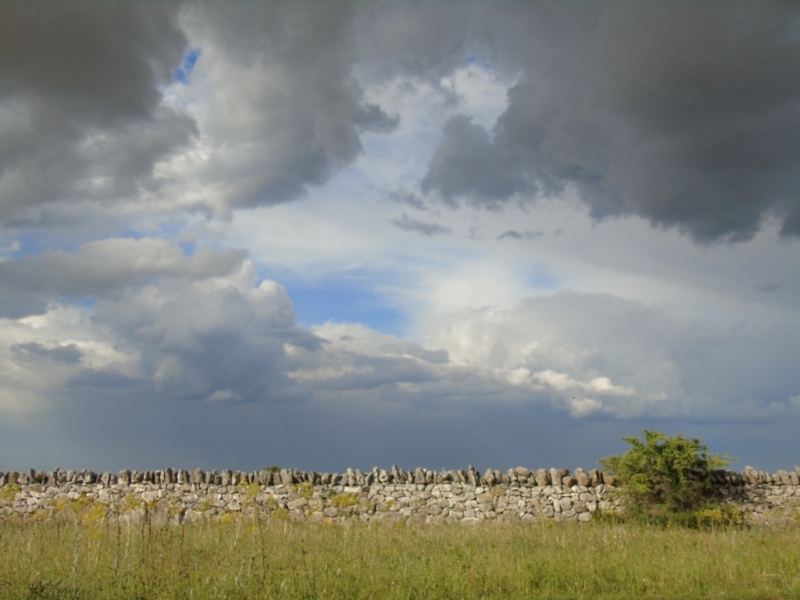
(182, 74)
(542, 279)
(346, 296)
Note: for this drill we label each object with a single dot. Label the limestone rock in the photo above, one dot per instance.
(488, 477)
(583, 479)
(542, 478)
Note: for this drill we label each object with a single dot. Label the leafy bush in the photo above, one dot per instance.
(666, 478)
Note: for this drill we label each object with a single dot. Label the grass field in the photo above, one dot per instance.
(60, 559)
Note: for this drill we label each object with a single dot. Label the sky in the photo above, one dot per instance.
(431, 234)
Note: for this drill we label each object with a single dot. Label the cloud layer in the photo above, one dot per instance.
(681, 114)
(395, 230)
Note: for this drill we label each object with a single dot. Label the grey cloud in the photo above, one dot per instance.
(370, 117)
(97, 64)
(68, 354)
(402, 196)
(466, 163)
(524, 235)
(684, 114)
(428, 229)
(232, 364)
(76, 77)
(417, 351)
(196, 342)
(287, 103)
(767, 287)
(108, 379)
(418, 40)
(214, 344)
(675, 366)
(29, 283)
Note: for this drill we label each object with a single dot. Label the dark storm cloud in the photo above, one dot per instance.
(428, 229)
(467, 164)
(686, 114)
(79, 99)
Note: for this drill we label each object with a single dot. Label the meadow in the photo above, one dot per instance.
(279, 559)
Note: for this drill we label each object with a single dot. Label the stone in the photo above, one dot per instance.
(295, 504)
(555, 477)
(285, 476)
(227, 476)
(542, 478)
(582, 479)
(784, 478)
(523, 472)
(594, 478)
(419, 476)
(472, 476)
(454, 500)
(198, 476)
(488, 477)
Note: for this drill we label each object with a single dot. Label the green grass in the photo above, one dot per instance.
(62, 559)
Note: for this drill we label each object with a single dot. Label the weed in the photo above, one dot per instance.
(305, 489)
(9, 492)
(281, 514)
(344, 500)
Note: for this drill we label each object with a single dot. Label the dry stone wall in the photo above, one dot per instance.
(467, 496)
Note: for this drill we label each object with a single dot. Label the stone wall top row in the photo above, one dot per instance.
(274, 476)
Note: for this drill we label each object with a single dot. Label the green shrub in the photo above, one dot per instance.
(664, 478)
